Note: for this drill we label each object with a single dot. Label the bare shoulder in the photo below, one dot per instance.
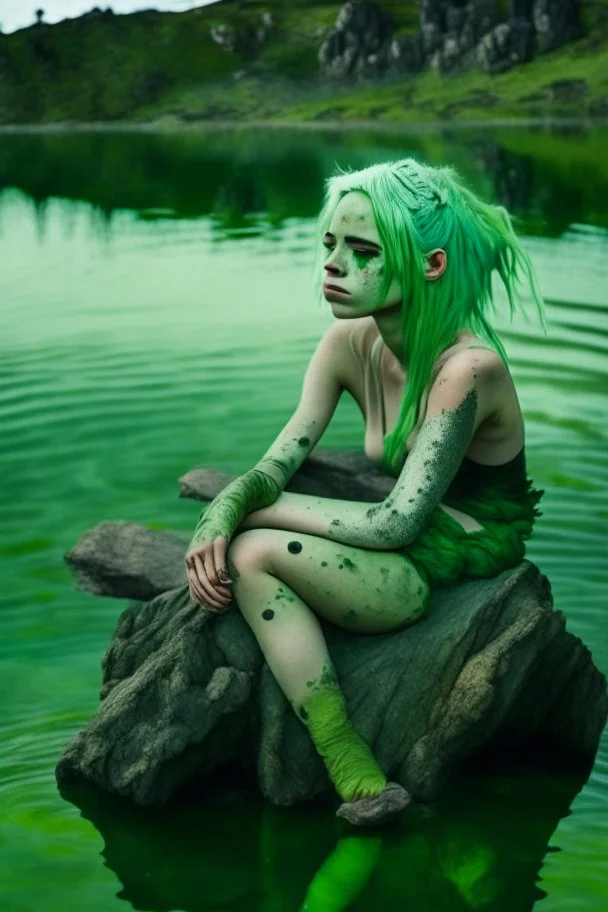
(475, 368)
(345, 342)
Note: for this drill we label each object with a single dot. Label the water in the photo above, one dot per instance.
(156, 314)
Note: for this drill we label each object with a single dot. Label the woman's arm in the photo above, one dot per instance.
(261, 486)
(463, 395)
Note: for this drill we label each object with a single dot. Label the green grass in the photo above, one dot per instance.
(519, 93)
(152, 66)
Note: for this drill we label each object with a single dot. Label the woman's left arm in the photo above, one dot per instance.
(464, 394)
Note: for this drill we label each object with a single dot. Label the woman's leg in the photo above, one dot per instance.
(282, 581)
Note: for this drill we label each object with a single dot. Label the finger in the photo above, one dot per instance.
(219, 555)
(195, 588)
(215, 597)
(208, 562)
(203, 600)
(205, 573)
(201, 595)
(208, 557)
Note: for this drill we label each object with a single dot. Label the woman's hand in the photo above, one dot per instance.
(208, 578)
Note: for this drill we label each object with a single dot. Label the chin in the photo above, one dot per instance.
(343, 311)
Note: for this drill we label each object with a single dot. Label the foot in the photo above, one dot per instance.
(379, 809)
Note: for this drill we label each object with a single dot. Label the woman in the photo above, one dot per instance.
(407, 266)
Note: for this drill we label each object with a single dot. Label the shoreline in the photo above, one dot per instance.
(176, 125)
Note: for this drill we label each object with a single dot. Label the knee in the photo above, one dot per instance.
(248, 551)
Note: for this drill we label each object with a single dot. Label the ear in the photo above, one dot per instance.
(435, 264)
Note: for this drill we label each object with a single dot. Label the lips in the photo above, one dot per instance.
(328, 287)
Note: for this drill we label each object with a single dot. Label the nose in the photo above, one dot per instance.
(334, 264)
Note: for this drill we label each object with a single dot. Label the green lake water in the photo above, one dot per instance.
(156, 314)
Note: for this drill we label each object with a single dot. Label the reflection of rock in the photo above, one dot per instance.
(481, 847)
(185, 691)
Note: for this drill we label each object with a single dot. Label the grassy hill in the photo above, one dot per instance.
(165, 67)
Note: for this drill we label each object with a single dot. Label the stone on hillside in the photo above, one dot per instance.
(506, 45)
(555, 23)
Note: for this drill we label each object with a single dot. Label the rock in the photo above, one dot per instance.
(358, 45)
(124, 560)
(506, 46)
(224, 36)
(450, 32)
(185, 691)
(555, 23)
(453, 36)
(248, 40)
(404, 54)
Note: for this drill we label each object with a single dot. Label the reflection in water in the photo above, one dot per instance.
(240, 177)
(479, 847)
(156, 315)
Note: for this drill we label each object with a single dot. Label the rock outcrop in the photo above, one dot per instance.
(362, 44)
(453, 36)
(184, 691)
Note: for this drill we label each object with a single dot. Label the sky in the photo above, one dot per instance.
(16, 14)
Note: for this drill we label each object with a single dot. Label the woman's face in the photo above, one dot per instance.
(355, 262)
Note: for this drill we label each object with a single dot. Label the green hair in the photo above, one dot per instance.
(418, 208)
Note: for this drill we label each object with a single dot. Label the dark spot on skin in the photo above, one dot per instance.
(304, 442)
(303, 713)
(294, 547)
(328, 676)
(335, 522)
(394, 512)
(268, 614)
(324, 563)
(340, 566)
(384, 573)
(349, 564)
(410, 500)
(420, 490)
(350, 615)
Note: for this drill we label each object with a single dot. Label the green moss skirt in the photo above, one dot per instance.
(444, 553)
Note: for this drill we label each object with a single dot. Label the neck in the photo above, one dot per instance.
(390, 327)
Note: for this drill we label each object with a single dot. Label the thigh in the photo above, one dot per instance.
(361, 590)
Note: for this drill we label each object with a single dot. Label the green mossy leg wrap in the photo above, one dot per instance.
(350, 763)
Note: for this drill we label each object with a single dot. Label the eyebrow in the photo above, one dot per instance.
(351, 239)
